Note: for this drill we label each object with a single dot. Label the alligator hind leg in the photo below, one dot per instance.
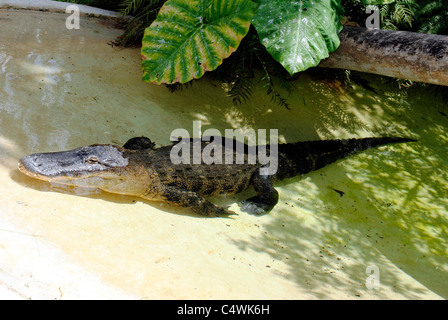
(266, 198)
(194, 201)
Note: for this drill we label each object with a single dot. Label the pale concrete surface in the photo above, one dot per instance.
(60, 89)
(54, 6)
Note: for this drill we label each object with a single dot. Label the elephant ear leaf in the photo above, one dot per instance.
(298, 34)
(190, 37)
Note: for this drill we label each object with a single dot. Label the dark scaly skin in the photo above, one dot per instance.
(141, 170)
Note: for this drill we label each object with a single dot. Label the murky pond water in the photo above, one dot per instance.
(61, 89)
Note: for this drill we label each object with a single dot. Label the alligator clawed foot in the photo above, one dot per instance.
(224, 211)
(252, 206)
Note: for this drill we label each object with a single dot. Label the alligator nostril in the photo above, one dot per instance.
(37, 162)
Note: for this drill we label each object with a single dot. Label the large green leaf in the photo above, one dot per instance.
(298, 34)
(190, 37)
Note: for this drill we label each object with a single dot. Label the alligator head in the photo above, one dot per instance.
(107, 167)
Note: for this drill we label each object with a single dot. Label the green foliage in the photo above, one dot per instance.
(143, 13)
(399, 15)
(298, 34)
(427, 16)
(288, 44)
(188, 38)
(238, 72)
(433, 17)
(191, 37)
(131, 7)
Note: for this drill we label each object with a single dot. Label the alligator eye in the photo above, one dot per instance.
(93, 160)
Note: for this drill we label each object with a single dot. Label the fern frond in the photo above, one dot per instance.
(433, 17)
(241, 89)
(437, 24)
(277, 98)
(268, 79)
(145, 12)
(130, 7)
(430, 7)
(402, 14)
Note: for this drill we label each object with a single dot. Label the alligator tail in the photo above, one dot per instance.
(302, 157)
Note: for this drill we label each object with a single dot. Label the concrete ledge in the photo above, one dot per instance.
(55, 6)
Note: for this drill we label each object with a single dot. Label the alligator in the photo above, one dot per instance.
(141, 169)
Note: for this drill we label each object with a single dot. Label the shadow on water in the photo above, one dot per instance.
(393, 210)
(392, 213)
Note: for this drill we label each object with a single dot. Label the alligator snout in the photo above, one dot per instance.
(79, 162)
(33, 161)
(30, 164)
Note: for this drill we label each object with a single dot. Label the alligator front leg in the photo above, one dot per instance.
(194, 201)
(266, 198)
